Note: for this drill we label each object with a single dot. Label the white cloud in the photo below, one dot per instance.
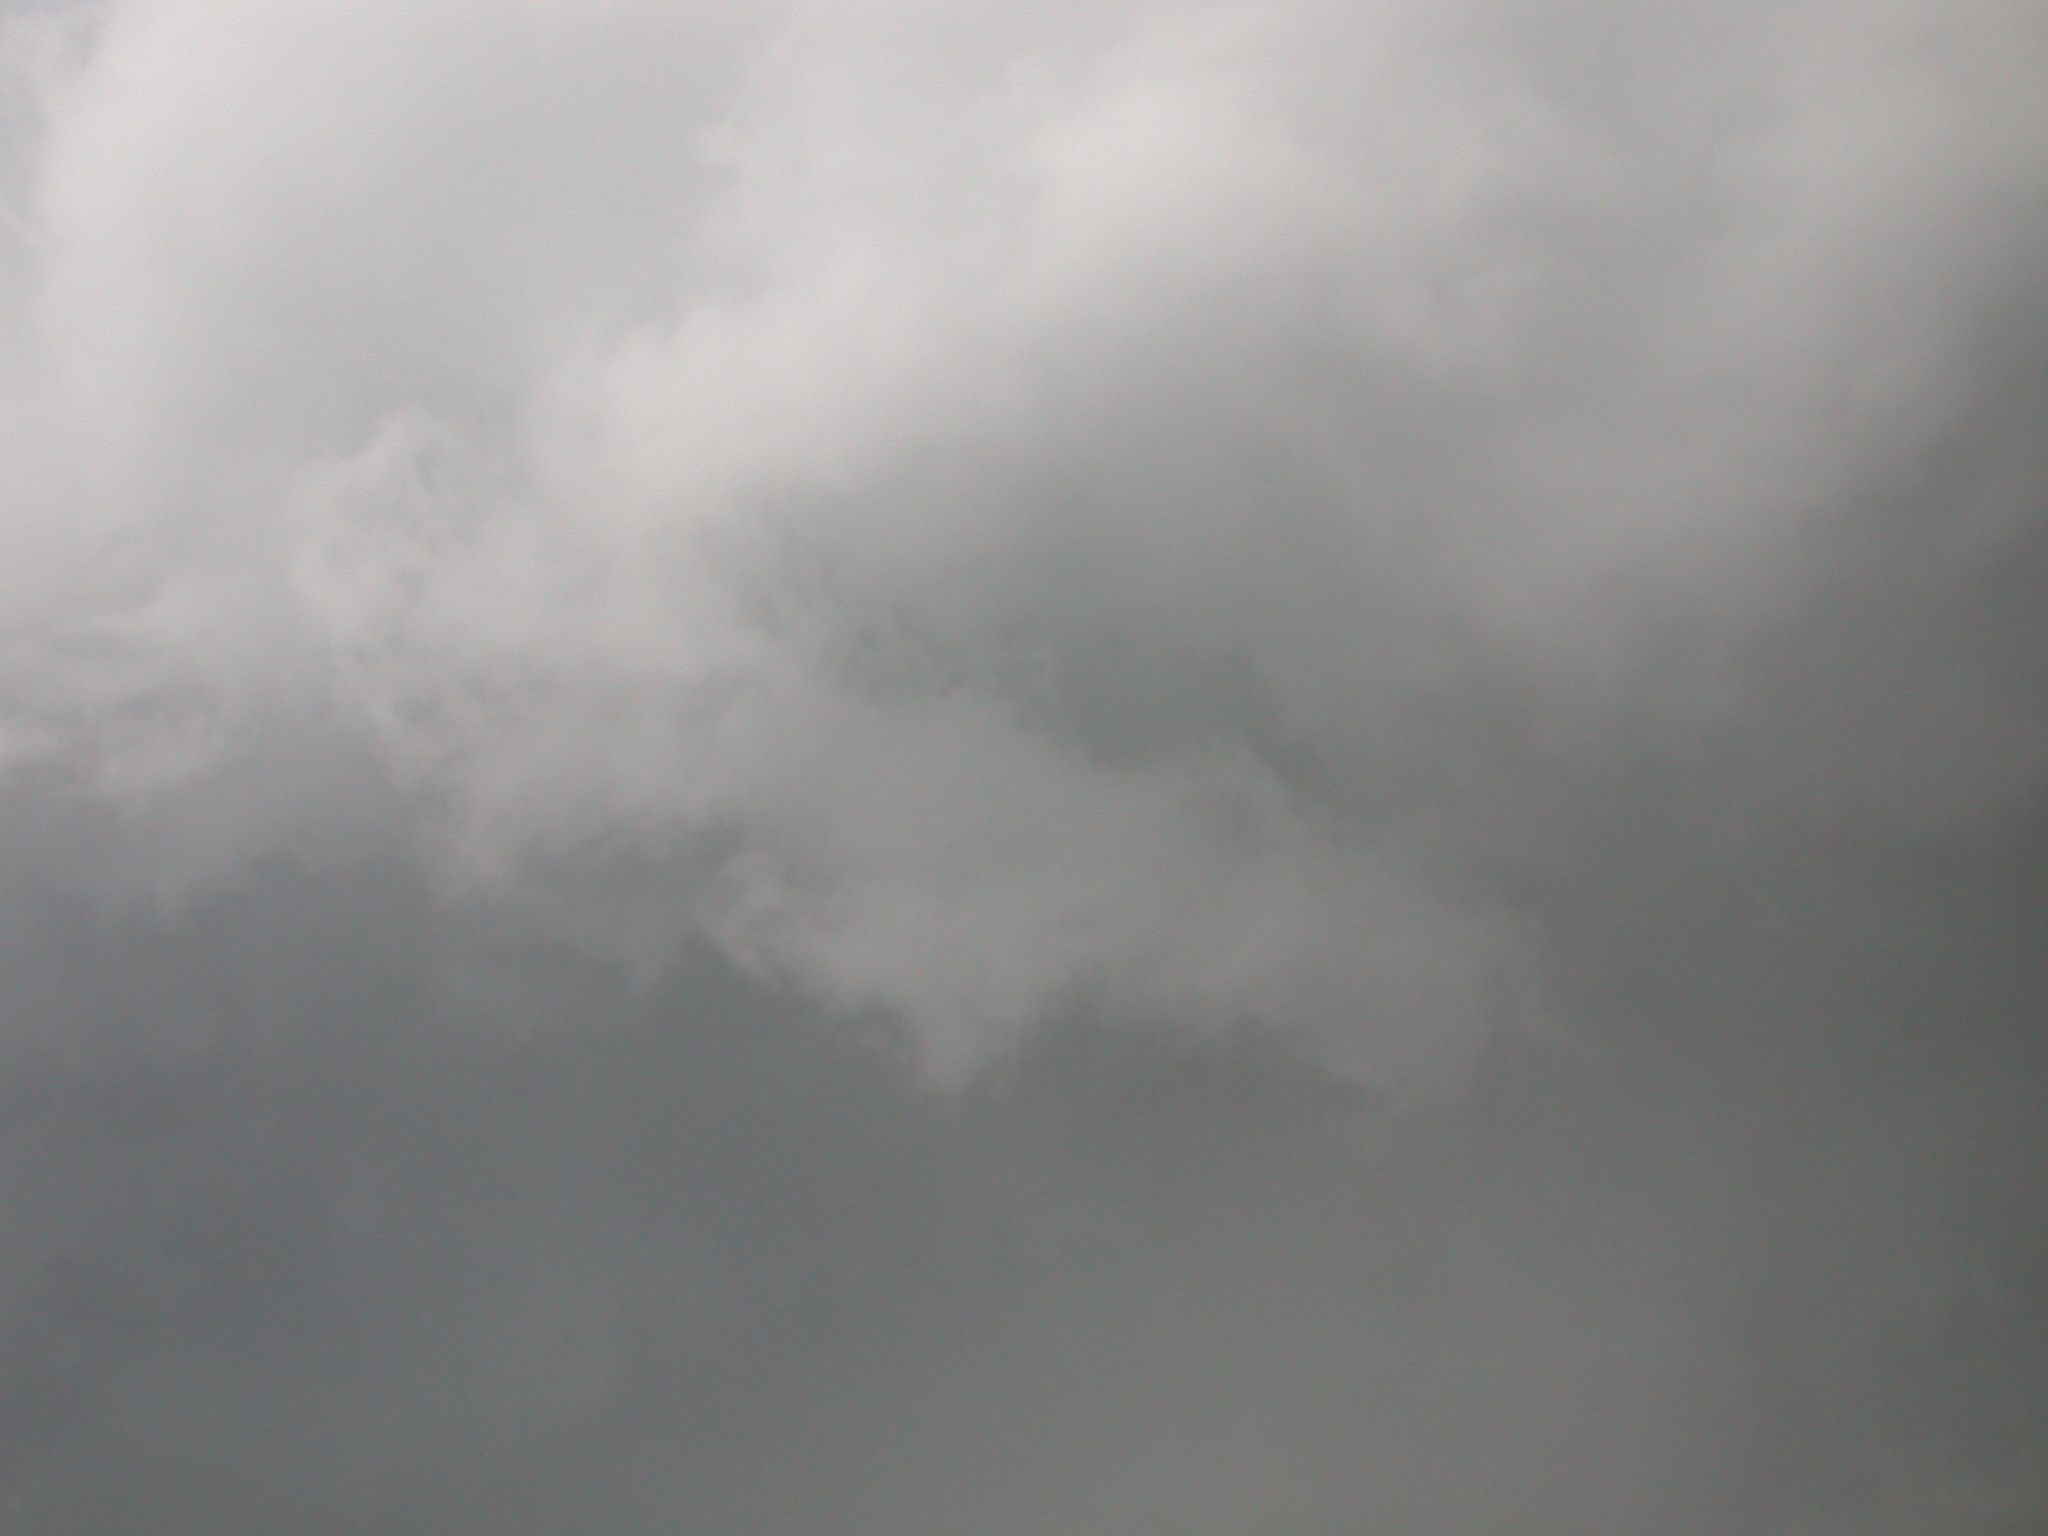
(748, 445)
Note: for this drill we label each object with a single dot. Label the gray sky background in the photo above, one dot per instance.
(1076, 769)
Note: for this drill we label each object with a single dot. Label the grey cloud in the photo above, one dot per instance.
(301, 1238)
(1251, 319)
(780, 767)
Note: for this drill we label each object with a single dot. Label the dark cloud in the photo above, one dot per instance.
(1233, 771)
(299, 1238)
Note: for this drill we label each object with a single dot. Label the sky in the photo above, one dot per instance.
(1091, 768)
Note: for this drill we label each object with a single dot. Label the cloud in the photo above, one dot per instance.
(1492, 549)
(772, 397)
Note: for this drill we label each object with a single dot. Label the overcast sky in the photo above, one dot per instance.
(1023, 767)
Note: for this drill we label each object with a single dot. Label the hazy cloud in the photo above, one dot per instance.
(1222, 768)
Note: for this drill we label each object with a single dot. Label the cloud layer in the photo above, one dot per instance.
(1049, 591)
(940, 487)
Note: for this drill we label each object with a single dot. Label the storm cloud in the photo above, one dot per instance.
(1262, 770)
